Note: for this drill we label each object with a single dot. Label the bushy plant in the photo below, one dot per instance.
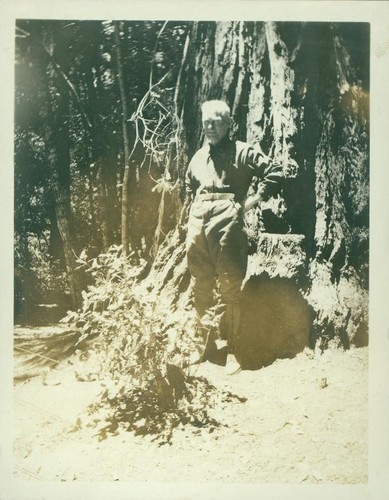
(144, 350)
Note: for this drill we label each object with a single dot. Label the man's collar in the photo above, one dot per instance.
(213, 148)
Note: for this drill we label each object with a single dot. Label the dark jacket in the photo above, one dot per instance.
(229, 167)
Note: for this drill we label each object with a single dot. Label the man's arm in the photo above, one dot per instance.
(269, 173)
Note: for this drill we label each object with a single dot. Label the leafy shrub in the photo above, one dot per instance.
(144, 349)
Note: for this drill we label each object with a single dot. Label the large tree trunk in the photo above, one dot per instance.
(339, 277)
(299, 90)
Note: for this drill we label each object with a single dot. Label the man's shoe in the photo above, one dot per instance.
(232, 366)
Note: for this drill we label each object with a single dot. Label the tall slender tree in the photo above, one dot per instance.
(126, 175)
(54, 109)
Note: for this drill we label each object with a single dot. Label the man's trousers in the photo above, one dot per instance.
(217, 248)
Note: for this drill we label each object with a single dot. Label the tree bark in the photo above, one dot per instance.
(295, 90)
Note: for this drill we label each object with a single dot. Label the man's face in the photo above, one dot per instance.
(215, 125)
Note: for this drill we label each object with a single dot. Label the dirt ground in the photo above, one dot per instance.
(304, 421)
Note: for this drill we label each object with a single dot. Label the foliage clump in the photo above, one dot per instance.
(143, 351)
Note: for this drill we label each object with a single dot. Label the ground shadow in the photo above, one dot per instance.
(276, 321)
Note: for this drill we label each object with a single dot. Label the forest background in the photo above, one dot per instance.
(107, 116)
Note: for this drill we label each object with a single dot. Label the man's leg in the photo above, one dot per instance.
(230, 289)
(203, 275)
(199, 261)
(228, 243)
(203, 300)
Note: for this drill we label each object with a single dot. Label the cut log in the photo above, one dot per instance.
(279, 255)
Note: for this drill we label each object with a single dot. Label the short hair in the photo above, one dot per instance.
(216, 106)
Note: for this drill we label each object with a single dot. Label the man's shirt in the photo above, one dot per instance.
(229, 167)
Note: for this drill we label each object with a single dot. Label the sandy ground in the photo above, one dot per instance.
(304, 421)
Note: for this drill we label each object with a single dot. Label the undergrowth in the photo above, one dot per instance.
(143, 351)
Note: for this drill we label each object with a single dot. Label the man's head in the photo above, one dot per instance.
(216, 120)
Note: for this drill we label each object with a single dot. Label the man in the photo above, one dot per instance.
(217, 182)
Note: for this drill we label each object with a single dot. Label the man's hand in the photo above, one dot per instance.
(250, 202)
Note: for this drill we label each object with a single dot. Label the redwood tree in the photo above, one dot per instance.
(299, 91)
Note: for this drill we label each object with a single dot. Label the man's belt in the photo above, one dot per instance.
(214, 196)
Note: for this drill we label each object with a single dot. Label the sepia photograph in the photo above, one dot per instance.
(191, 253)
